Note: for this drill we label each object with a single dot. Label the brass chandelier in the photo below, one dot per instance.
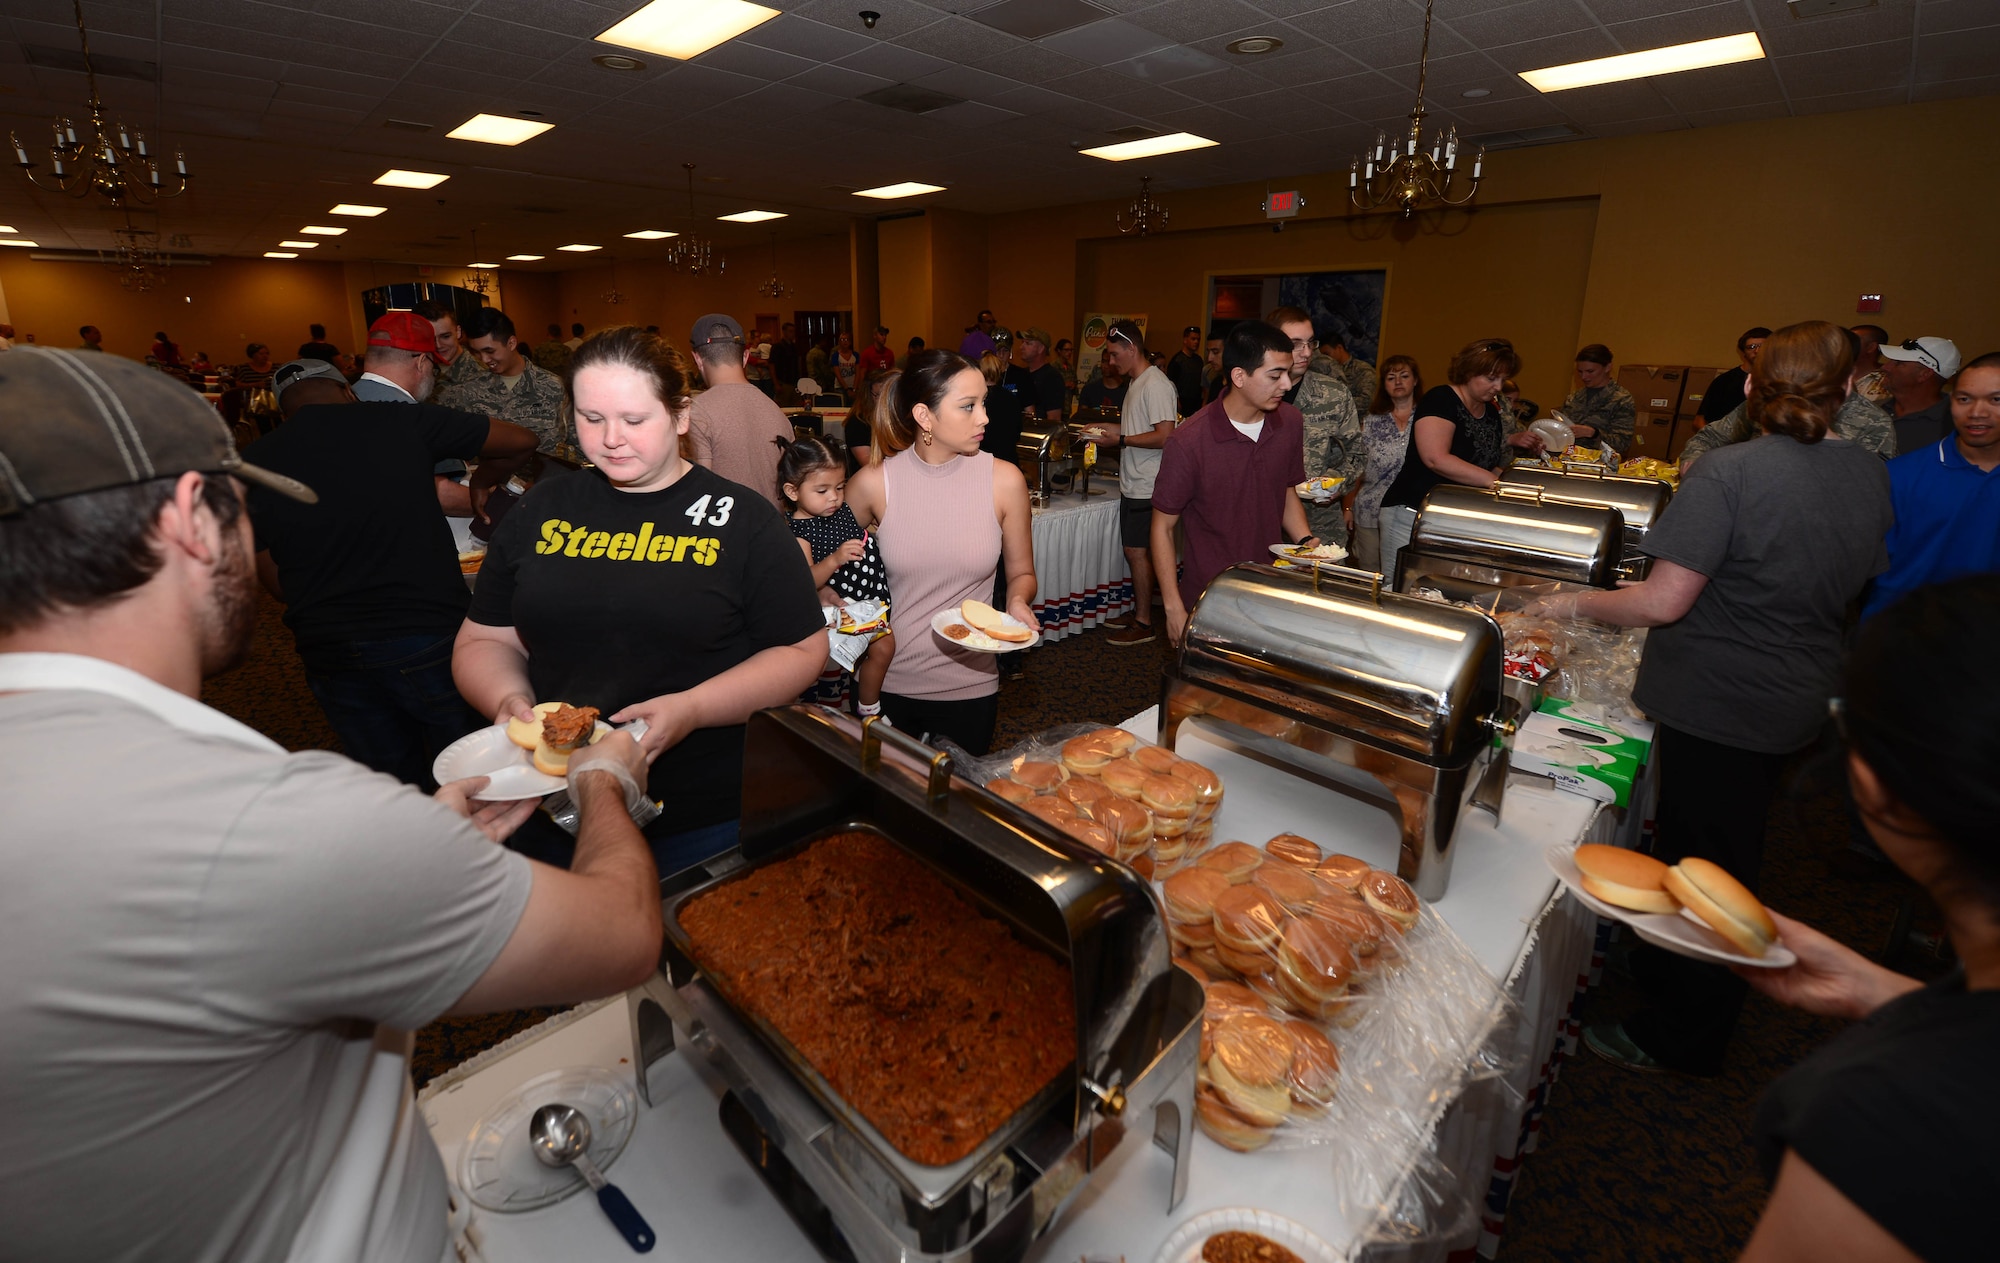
(1145, 213)
(774, 287)
(1402, 173)
(105, 158)
(136, 260)
(691, 252)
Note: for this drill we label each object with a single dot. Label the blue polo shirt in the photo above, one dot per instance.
(1947, 522)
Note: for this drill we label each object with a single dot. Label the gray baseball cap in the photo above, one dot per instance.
(704, 329)
(292, 372)
(72, 423)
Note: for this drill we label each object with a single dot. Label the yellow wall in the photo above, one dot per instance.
(959, 276)
(816, 273)
(903, 253)
(1696, 236)
(219, 308)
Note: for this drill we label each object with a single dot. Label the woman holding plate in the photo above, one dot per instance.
(946, 514)
(649, 588)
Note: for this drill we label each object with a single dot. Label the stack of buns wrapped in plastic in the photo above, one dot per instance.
(1284, 938)
(1134, 801)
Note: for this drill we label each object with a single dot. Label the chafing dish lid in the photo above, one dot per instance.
(1402, 673)
(1515, 528)
(1043, 439)
(1640, 501)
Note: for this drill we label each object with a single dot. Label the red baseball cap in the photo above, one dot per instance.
(405, 331)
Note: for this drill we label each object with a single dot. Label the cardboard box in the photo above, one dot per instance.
(1656, 389)
(1586, 759)
(1653, 435)
(1696, 389)
(1685, 428)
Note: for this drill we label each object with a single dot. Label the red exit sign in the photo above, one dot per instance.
(1282, 205)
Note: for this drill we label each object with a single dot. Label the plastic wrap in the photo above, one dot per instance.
(1341, 1010)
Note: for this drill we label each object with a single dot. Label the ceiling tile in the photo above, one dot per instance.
(899, 17)
(758, 63)
(1394, 49)
(1614, 102)
(972, 115)
(1494, 28)
(1223, 86)
(1165, 65)
(1609, 11)
(1031, 63)
(1987, 85)
(1957, 55)
(900, 65)
(404, 15)
(1186, 21)
(1307, 68)
(839, 81)
(1783, 33)
(1710, 22)
(1720, 87)
(564, 17)
(1843, 101)
(973, 85)
(1102, 43)
(802, 37)
(1958, 15)
(1556, 50)
(960, 40)
(1841, 70)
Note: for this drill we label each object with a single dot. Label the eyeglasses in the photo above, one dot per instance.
(1122, 336)
(1305, 344)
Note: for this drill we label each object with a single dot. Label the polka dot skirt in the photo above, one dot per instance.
(864, 580)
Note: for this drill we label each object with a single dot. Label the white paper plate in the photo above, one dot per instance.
(490, 752)
(980, 642)
(1682, 933)
(1185, 1245)
(1291, 553)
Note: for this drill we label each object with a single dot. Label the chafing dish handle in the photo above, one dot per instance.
(874, 733)
(1352, 574)
(1504, 490)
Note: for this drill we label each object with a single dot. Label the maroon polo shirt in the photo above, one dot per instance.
(1228, 490)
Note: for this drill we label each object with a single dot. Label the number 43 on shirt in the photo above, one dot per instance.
(650, 544)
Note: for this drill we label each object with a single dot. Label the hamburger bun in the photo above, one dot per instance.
(1123, 777)
(1013, 791)
(1087, 755)
(550, 761)
(1343, 871)
(1247, 920)
(1293, 887)
(1624, 879)
(1190, 896)
(1234, 860)
(1225, 1126)
(982, 617)
(1724, 903)
(1293, 849)
(1039, 775)
(1315, 1072)
(1207, 785)
(1155, 760)
(1084, 795)
(1167, 797)
(1392, 897)
(1261, 1104)
(1130, 823)
(527, 733)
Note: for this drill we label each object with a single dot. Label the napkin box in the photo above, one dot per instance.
(1592, 760)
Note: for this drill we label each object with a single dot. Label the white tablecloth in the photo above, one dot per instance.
(706, 1204)
(1081, 577)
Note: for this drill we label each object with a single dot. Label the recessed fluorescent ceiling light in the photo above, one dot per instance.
(318, 230)
(8, 229)
(686, 28)
(498, 129)
(1151, 147)
(482, 265)
(300, 245)
(17, 241)
(269, 254)
(365, 212)
(908, 188)
(1654, 61)
(523, 258)
(580, 249)
(651, 234)
(751, 217)
(411, 179)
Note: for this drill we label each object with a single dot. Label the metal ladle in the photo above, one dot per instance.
(559, 1136)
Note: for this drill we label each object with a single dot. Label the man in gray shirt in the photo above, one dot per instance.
(732, 423)
(216, 950)
(1145, 421)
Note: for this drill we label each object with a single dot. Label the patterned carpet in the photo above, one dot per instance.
(1642, 1168)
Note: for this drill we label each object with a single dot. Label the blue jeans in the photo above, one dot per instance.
(392, 702)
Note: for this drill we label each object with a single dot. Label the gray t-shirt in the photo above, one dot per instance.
(1148, 401)
(199, 941)
(1787, 533)
(731, 431)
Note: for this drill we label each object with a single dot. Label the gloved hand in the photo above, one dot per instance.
(1558, 605)
(619, 757)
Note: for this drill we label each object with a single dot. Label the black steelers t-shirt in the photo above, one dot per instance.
(624, 596)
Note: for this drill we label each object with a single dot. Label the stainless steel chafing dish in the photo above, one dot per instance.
(1392, 698)
(1044, 455)
(1467, 543)
(809, 772)
(1639, 501)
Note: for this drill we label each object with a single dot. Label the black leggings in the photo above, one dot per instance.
(967, 723)
(1713, 803)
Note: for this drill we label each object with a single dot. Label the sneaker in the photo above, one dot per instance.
(1609, 1041)
(1136, 634)
(1118, 622)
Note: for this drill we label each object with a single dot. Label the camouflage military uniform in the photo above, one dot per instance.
(464, 369)
(536, 401)
(1609, 409)
(554, 356)
(1359, 375)
(1333, 446)
(1858, 421)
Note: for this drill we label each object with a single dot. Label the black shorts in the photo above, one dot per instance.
(1135, 522)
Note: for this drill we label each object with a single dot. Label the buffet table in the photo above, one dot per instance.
(705, 1202)
(1081, 577)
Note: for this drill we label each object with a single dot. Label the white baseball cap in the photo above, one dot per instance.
(1940, 355)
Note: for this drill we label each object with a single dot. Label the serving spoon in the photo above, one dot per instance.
(559, 1135)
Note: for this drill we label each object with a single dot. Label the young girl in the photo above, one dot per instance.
(846, 564)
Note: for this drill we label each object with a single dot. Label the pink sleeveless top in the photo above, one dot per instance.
(940, 542)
